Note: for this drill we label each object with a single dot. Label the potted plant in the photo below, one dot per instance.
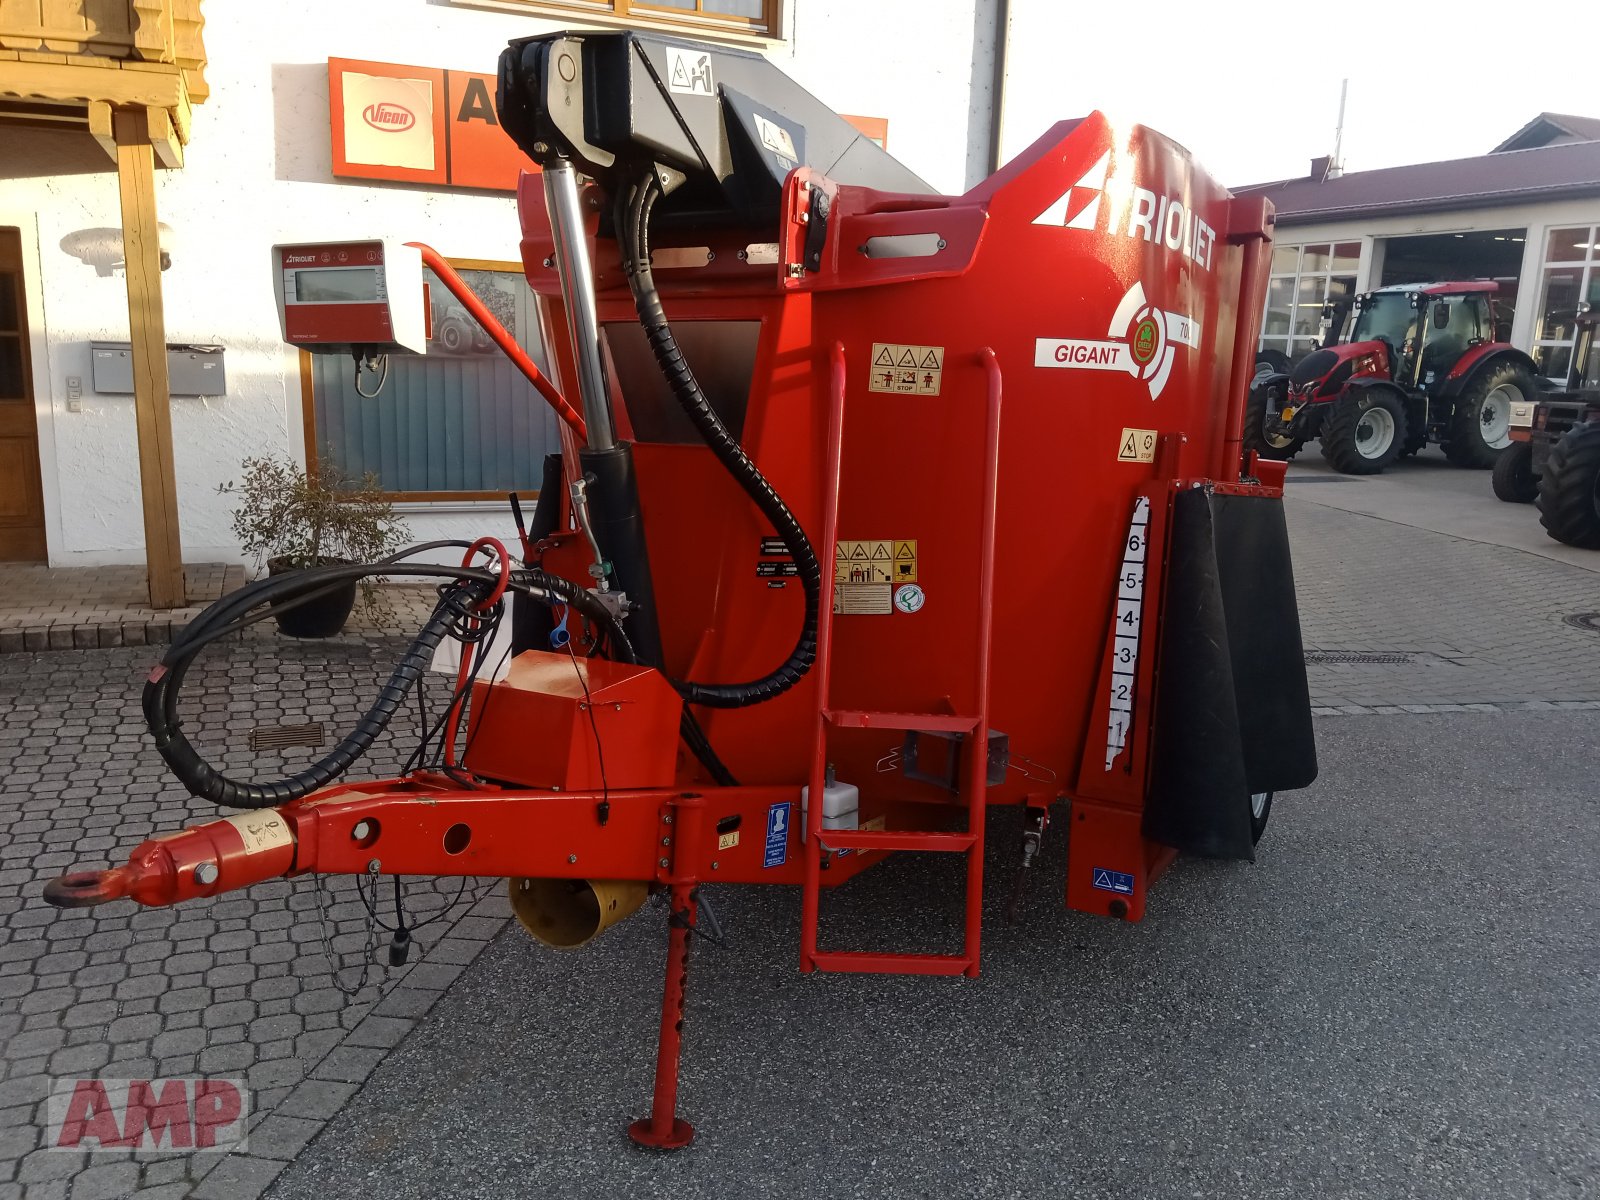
(292, 519)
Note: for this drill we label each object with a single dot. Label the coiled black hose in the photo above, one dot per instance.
(633, 235)
(231, 613)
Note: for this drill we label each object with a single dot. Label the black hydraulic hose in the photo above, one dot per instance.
(633, 227)
(203, 780)
(231, 613)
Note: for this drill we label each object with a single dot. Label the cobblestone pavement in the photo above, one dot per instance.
(235, 986)
(62, 608)
(241, 984)
(1477, 624)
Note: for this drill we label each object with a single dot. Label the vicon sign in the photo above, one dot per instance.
(388, 118)
(419, 125)
(183, 1115)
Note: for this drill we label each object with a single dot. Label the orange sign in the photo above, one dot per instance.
(419, 125)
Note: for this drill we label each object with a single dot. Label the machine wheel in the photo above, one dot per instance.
(1260, 810)
(1569, 488)
(1514, 480)
(1364, 432)
(1270, 362)
(1263, 432)
(1480, 427)
(451, 337)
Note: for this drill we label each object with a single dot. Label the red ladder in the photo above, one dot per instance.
(973, 727)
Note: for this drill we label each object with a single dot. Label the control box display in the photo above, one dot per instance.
(337, 296)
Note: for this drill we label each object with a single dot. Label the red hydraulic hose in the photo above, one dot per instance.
(464, 673)
(519, 357)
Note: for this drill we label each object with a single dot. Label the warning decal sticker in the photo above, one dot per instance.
(1113, 881)
(864, 562)
(1137, 445)
(906, 369)
(905, 561)
(1125, 642)
(689, 71)
(863, 599)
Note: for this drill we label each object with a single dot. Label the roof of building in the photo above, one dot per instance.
(1551, 127)
(1504, 177)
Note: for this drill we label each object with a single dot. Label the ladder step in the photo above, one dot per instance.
(922, 722)
(864, 962)
(895, 839)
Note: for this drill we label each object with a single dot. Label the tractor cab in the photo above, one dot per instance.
(1425, 330)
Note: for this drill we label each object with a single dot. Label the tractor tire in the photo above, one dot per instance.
(1569, 488)
(1278, 447)
(452, 337)
(1514, 480)
(1272, 362)
(1480, 427)
(1364, 431)
(1260, 810)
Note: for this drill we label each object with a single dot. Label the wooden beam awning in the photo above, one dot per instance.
(71, 63)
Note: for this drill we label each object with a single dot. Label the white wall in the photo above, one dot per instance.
(927, 68)
(259, 171)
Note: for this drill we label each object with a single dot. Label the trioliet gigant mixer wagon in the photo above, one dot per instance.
(921, 504)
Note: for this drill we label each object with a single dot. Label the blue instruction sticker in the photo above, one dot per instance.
(777, 834)
(1106, 881)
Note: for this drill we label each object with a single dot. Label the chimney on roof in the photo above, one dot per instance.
(1319, 167)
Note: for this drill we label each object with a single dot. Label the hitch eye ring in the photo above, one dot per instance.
(84, 889)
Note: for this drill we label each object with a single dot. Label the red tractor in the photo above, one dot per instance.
(1422, 364)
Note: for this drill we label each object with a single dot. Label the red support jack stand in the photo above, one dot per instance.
(663, 1129)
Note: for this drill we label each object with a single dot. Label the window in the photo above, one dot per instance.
(1304, 280)
(760, 17)
(459, 423)
(1571, 274)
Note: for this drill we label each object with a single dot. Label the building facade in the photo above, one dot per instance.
(447, 436)
(274, 154)
(1526, 216)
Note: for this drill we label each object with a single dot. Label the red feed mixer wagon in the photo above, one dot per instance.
(921, 504)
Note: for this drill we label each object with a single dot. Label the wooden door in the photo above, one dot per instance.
(21, 496)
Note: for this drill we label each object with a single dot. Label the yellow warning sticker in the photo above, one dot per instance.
(906, 369)
(1137, 445)
(905, 561)
(727, 841)
(864, 562)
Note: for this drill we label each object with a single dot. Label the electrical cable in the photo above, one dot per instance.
(380, 364)
(632, 219)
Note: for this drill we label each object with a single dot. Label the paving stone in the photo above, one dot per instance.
(318, 1098)
(282, 1137)
(46, 1164)
(348, 1064)
(110, 1181)
(238, 1177)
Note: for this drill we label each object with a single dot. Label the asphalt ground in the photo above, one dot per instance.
(1400, 998)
